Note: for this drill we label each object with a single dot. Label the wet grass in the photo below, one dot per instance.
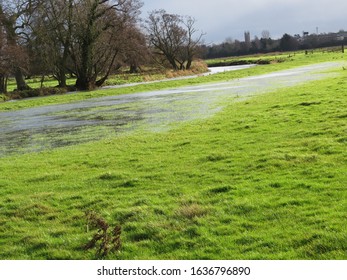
(290, 61)
(263, 179)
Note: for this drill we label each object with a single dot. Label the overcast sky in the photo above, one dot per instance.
(221, 19)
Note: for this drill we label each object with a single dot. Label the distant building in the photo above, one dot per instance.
(247, 37)
(248, 42)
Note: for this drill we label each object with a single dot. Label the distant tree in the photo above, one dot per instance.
(268, 45)
(237, 47)
(265, 34)
(135, 51)
(173, 38)
(229, 40)
(265, 41)
(288, 43)
(166, 35)
(311, 42)
(256, 44)
(191, 48)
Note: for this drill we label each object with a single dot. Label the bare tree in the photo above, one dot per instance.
(94, 49)
(135, 51)
(52, 31)
(5, 60)
(172, 37)
(85, 37)
(166, 35)
(14, 18)
(265, 34)
(192, 44)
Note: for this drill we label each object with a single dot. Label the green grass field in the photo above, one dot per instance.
(263, 179)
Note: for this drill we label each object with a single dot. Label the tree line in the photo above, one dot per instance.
(266, 44)
(89, 40)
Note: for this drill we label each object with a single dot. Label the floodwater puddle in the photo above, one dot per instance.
(49, 127)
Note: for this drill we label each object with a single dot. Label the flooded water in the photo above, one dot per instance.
(49, 127)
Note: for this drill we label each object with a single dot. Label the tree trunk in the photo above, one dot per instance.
(189, 62)
(61, 71)
(21, 84)
(84, 83)
(173, 63)
(42, 80)
(86, 80)
(3, 84)
(189, 65)
(62, 81)
(61, 77)
(134, 69)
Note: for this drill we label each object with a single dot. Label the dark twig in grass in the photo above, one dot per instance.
(104, 241)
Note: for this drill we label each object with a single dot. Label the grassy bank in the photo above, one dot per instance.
(290, 61)
(263, 179)
(259, 59)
